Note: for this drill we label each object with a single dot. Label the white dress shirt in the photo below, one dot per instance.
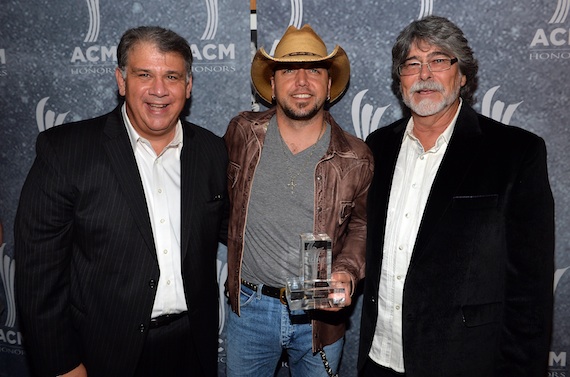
(413, 177)
(161, 182)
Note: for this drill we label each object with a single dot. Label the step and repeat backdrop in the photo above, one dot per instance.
(57, 62)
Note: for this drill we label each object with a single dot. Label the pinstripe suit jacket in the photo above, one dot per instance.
(86, 266)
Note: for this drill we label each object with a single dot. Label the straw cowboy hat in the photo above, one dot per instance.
(300, 46)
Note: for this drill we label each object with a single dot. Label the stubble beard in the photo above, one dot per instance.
(301, 112)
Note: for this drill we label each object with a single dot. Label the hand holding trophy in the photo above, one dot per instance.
(314, 288)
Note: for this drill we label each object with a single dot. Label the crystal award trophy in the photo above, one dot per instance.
(313, 288)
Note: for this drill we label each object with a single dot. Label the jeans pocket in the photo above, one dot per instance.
(246, 296)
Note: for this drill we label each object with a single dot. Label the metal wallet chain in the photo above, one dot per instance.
(327, 365)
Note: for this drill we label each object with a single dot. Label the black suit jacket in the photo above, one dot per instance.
(478, 292)
(86, 266)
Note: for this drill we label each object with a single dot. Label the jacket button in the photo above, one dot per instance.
(141, 327)
(152, 283)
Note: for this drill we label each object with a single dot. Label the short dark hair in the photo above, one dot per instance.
(437, 31)
(164, 39)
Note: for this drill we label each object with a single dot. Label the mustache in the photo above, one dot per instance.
(426, 85)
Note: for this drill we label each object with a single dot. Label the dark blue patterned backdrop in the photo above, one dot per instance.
(57, 61)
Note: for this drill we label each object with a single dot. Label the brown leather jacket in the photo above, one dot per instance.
(342, 178)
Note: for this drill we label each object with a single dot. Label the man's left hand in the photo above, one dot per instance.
(341, 280)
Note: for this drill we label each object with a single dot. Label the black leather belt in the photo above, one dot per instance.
(165, 319)
(268, 291)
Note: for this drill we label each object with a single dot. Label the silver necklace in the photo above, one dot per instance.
(294, 174)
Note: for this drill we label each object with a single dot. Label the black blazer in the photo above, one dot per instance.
(478, 293)
(86, 266)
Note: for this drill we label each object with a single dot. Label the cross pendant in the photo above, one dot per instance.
(292, 185)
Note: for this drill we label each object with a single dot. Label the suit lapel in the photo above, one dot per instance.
(189, 160)
(386, 149)
(120, 153)
(383, 176)
(460, 155)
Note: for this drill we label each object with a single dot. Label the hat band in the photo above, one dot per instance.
(301, 53)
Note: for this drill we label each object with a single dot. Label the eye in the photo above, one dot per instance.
(412, 64)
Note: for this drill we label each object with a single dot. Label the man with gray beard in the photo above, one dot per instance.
(460, 243)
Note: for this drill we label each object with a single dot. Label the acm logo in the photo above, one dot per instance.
(90, 59)
(553, 43)
(557, 364)
(47, 119)
(7, 272)
(497, 110)
(365, 118)
(208, 55)
(9, 337)
(557, 361)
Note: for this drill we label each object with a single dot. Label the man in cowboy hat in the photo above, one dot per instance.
(292, 170)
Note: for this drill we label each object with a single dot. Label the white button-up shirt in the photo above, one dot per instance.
(414, 175)
(161, 182)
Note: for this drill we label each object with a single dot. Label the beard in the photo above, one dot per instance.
(301, 112)
(428, 106)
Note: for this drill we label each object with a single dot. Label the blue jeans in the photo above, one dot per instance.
(266, 327)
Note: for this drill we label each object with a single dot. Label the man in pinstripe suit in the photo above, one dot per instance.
(118, 226)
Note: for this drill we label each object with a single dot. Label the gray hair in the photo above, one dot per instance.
(440, 32)
(165, 40)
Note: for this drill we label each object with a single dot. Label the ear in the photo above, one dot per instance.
(189, 87)
(272, 81)
(463, 80)
(120, 81)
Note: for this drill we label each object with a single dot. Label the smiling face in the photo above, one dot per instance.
(155, 88)
(430, 93)
(300, 91)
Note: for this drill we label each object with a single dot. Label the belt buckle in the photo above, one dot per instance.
(282, 296)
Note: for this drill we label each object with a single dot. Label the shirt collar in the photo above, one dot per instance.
(443, 138)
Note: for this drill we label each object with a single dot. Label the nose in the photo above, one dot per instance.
(301, 77)
(158, 88)
(425, 72)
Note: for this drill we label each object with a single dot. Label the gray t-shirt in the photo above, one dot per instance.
(281, 207)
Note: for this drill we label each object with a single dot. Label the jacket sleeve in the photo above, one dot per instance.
(529, 220)
(352, 257)
(43, 244)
